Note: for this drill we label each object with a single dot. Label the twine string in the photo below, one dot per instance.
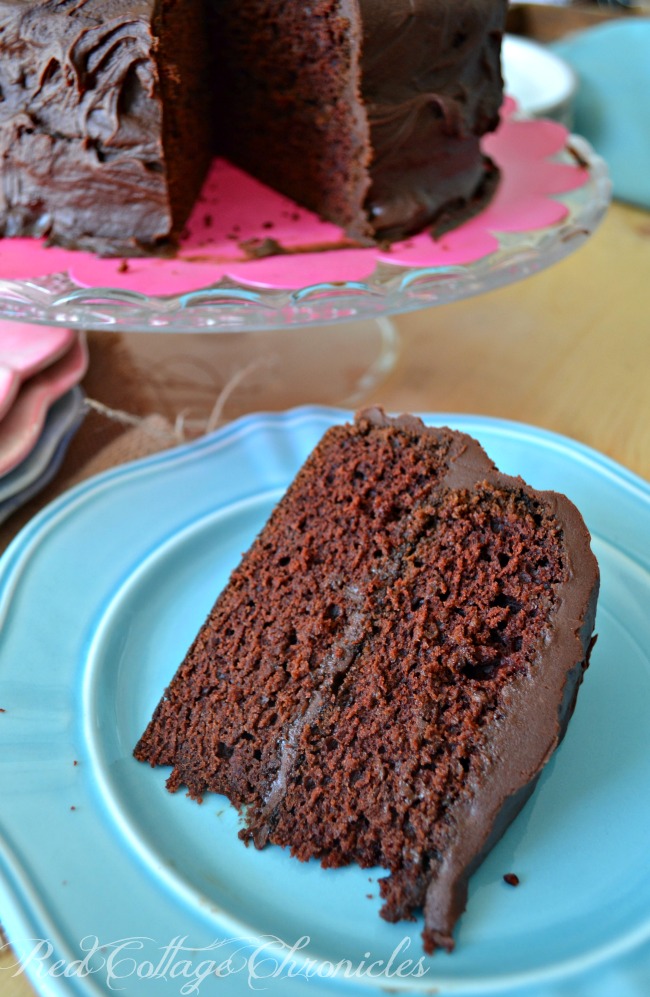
(176, 434)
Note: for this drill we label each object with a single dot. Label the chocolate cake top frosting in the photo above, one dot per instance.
(79, 101)
(392, 663)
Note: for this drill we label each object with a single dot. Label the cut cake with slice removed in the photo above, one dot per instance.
(369, 113)
(392, 663)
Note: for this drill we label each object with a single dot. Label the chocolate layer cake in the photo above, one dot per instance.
(368, 112)
(391, 665)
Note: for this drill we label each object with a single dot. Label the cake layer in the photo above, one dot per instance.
(290, 111)
(391, 665)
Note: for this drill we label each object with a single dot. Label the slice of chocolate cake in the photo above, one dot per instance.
(391, 665)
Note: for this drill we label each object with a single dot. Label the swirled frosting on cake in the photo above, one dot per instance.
(83, 139)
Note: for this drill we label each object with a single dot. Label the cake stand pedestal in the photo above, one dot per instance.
(204, 379)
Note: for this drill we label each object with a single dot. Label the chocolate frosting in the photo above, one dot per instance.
(432, 87)
(80, 124)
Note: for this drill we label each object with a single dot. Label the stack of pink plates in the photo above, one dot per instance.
(41, 406)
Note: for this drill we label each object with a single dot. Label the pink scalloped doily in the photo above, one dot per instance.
(234, 209)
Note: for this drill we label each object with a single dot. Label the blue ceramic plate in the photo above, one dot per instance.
(107, 881)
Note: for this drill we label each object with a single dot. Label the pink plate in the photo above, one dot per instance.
(237, 217)
(21, 427)
(24, 350)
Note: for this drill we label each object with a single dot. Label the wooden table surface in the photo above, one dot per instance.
(567, 349)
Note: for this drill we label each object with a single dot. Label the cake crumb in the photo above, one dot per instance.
(258, 249)
(123, 267)
(511, 879)
(577, 155)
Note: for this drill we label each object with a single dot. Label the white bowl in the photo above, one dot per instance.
(542, 83)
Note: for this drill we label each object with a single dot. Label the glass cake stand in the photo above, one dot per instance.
(309, 319)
